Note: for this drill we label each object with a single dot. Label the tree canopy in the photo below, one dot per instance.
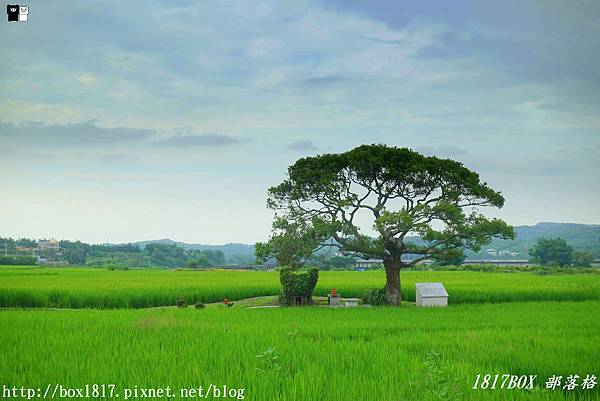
(330, 199)
(551, 251)
(582, 259)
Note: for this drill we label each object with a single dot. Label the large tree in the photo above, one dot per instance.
(418, 207)
(550, 251)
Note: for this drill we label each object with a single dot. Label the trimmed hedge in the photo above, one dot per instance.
(297, 284)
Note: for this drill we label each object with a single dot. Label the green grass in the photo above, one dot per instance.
(495, 324)
(322, 353)
(101, 288)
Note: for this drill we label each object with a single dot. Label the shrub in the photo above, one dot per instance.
(297, 284)
(375, 297)
(199, 305)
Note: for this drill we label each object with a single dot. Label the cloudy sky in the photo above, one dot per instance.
(141, 120)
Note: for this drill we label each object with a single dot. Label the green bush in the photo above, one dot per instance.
(375, 297)
(297, 284)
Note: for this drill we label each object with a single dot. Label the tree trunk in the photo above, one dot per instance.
(392, 280)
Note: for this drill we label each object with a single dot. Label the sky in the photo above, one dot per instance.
(171, 119)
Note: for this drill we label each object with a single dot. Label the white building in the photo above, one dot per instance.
(431, 294)
(368, 264)
(50, 244)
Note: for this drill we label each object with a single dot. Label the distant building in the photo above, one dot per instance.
(48, 245)
(499, 262)
(368, 264)
(508, 253)
(361, 264)
(491, 252)
(43, 261)
(24, 249)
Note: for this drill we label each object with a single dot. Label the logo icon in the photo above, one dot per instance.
(23, 13)
(17, 13)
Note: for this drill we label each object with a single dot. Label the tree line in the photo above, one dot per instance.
(120, 255)
(557, 252)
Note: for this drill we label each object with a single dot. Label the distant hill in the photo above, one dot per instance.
(235, 253)
(584, 237)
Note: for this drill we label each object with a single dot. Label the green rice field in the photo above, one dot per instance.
(497, 323)
(102, 288)
(402, 353)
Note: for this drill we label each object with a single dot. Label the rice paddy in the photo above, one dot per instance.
(317, 353)
(102, 288)
(497, 323)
